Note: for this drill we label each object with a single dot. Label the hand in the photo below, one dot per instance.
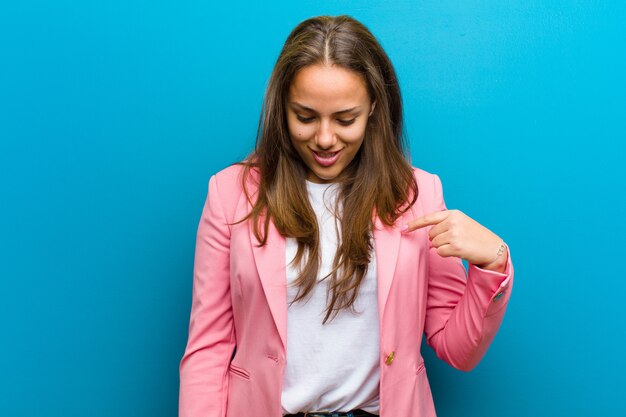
(456, 234)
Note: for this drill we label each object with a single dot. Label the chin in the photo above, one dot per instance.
(326, 177)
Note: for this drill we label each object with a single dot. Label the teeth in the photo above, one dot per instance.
(326, 154)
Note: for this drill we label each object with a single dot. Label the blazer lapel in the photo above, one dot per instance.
(271, 266)
(387, 246)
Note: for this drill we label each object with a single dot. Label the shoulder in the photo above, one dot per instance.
(430, 190)
(230, 178)
(426, 180)
(226, 185)
(421, 174)
(229, 174)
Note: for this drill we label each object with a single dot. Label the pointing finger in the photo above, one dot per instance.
(427, 220)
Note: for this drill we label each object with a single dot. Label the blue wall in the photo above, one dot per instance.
(113, 115)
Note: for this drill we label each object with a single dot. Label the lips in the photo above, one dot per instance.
(325, 158)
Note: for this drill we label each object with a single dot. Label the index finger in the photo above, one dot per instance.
(426, 220)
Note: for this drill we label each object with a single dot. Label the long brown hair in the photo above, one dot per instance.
(378, 182)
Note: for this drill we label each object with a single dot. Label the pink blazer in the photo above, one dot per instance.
(239, 301)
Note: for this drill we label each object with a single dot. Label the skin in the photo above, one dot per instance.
(318, 98)
(456, 234)
(324, 126)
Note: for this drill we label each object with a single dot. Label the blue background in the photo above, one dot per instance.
(113, 116)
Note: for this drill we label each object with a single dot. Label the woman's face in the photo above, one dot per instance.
(327, 112)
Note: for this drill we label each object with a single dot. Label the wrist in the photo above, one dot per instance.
(498, 263)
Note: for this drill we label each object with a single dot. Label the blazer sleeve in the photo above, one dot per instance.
(464, 308)
(204, 365)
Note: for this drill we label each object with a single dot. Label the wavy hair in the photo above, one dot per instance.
(378, 182)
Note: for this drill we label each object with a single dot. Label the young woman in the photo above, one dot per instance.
(323, 258)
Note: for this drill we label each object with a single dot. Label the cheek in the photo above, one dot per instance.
(354, 135)
(300, 132)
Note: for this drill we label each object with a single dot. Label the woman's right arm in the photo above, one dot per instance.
(204, 365)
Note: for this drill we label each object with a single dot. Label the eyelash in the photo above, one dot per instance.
(310, 119)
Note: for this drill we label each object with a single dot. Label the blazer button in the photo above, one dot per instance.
(390, 358)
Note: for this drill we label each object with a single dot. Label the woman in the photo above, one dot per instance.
(324, 256)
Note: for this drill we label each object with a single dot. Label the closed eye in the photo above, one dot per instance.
(305, 119)
(310, 119)
(346, 122)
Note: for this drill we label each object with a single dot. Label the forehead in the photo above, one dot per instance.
(324, 87)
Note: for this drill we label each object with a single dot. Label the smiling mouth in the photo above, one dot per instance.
(325, 155)
(324, 158)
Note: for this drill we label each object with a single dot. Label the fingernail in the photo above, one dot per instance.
(404, 227)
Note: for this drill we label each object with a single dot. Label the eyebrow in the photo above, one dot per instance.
(302, 107)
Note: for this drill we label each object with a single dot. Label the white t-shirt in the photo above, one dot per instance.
(335, 366)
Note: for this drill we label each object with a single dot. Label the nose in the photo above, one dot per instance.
(325, 137)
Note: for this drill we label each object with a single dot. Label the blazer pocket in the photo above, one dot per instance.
(239, 371)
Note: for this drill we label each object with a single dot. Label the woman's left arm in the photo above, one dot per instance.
(464, 311)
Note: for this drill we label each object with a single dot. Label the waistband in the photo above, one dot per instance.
(353, 413)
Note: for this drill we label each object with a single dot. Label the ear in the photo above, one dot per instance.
(373, 106)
